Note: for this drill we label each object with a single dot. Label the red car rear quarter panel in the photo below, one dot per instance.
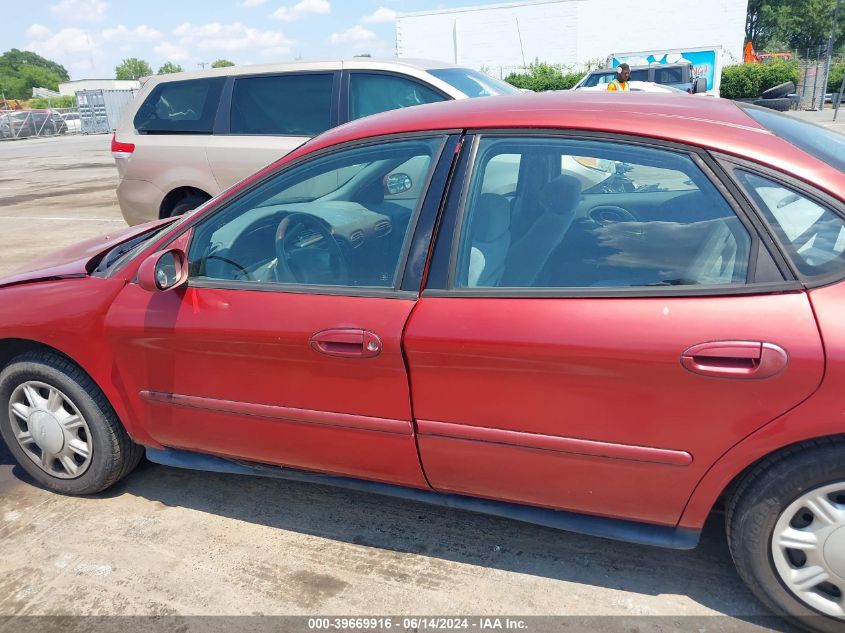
(606, 370)
(821, 415)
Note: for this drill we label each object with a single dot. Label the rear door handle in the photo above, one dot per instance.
(346, 343)
(753, 360)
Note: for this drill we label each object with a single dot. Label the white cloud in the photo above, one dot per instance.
(382, 14)
(353, 35)
(57, 45)
(80, 10)
(252, 3)
(171, 52)
(289, 14)
(71, 47)
(218, 37)
(141, 33)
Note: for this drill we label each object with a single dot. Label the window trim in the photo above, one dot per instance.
(732, 164)
(447, 245)
(223, 120)
(346, 89)
(397, 291)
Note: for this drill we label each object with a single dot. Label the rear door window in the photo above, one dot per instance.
(639, 75)
(371, 93)
(282, 105)
(595, 214)
(180, 107)
(673, 75)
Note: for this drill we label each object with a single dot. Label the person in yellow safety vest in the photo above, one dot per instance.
(623, 73)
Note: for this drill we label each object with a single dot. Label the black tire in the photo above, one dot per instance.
(188, 203)
(781, 105)
(113, 453)
(754, 509)
(776, 92)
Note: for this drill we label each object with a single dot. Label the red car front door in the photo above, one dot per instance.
(597, 344)
(285, 347)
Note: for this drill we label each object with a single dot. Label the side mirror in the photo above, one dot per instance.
(397, 183)
(164, 270)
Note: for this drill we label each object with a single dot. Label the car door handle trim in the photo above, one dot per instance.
(346, 343)
(749, 360)
(282, 414)
(538, 441)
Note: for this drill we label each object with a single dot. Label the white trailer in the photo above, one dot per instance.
(568, 32)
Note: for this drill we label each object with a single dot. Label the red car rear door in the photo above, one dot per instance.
(600, 324)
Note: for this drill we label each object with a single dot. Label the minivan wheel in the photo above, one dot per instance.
(786, 532)
(60, 428)
(188, 203)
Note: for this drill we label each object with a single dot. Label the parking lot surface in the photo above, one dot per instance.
(171, 542)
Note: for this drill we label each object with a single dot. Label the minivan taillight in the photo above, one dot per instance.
(121, 150)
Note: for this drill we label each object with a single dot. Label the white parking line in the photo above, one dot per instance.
(15, 217)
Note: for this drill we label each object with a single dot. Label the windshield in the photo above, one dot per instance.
(814, 139)
(473, 83)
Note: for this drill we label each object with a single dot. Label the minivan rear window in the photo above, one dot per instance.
(180, 107)
(816, 140)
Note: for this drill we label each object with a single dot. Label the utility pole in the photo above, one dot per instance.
(829, 53)
(204, 64)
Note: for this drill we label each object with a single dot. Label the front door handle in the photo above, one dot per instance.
(346, 343)
(753, 360)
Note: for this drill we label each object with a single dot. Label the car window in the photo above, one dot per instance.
(825, 144)
(285, 105)
(673, 75)
(472, 82)
(599, 80)
(180, 106)
(813, 235)
(371, 93)
(639, 75)
(594, 214)
(339, 220)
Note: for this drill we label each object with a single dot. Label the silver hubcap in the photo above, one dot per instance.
(50, 430)
(808, 548)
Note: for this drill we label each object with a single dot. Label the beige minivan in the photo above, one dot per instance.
(189, 136)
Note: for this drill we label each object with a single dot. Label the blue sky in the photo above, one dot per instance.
(90, 37)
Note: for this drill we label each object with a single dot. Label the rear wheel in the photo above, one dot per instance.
(60, 428)
(190, 202)
(786, 531)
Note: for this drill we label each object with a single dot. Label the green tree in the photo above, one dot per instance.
(169, 67)
(21, 71)
(132, 68)
(14, 59)
(222, 63)
(540, 77)
(792, 24)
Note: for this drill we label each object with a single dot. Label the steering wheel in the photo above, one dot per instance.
(307, 252)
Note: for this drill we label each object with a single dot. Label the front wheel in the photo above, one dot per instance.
(60, 428)
(786, 531)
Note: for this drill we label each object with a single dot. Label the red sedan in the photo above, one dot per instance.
(604, 313)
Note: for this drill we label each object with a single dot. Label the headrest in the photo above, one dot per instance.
(561, 195)
(492, 217)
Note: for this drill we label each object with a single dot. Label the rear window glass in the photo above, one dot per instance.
(285, 105)
(814, 139)
(181, 106)
(668, 75)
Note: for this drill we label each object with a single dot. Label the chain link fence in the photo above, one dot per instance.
(36, 123)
